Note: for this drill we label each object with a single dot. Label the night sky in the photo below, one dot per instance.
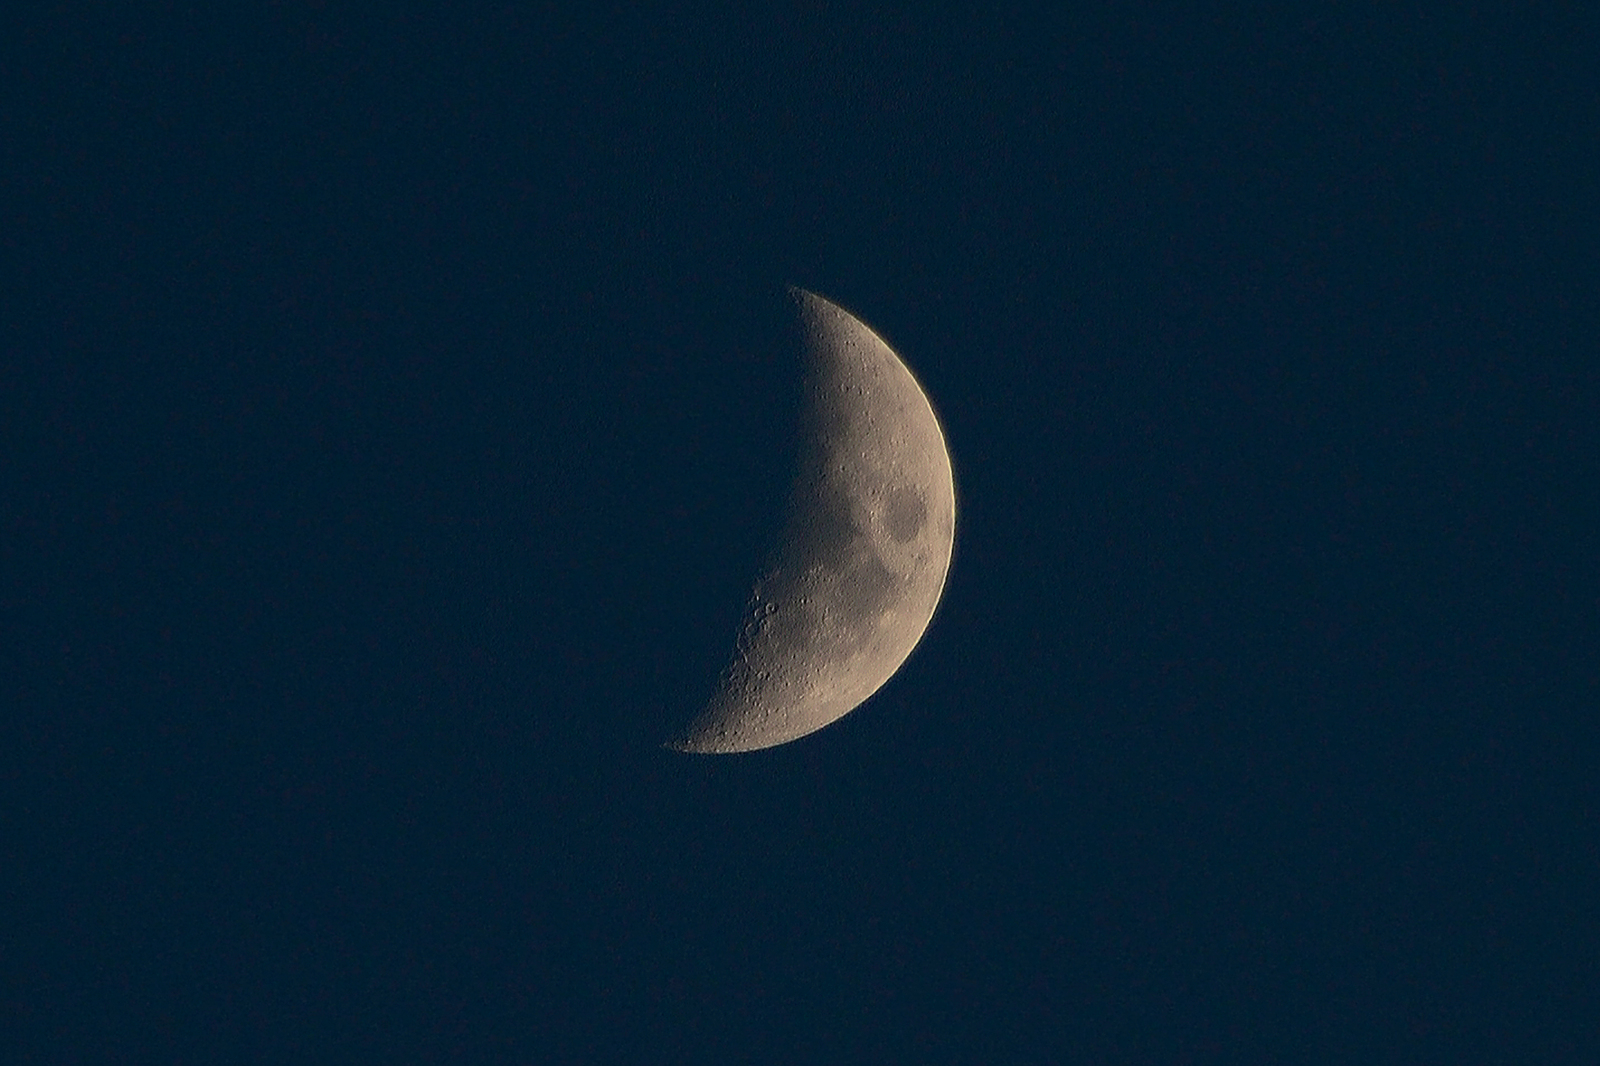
(392, 424)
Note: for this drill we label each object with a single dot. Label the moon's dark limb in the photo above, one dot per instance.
(862, 559)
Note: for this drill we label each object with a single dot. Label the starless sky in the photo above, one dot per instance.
(390, 431)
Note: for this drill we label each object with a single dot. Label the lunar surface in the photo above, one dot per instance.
(861, 562)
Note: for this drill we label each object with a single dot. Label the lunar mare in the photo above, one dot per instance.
(864, 551)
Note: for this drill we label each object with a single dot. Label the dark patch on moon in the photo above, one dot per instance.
(830, 528)
(872, 588)
(905, 514)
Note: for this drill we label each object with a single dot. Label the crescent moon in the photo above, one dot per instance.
(861, 562)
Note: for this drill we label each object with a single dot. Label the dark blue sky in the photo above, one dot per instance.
(391, 426)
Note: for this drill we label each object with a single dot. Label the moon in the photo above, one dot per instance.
(861, 561)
